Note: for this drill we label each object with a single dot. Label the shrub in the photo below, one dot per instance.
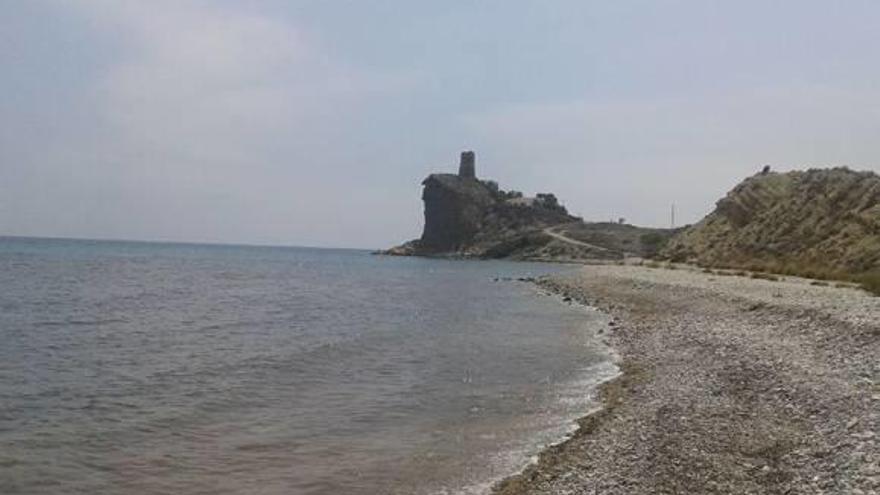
(492, 186)
(510, 194)
(549, 201)
(653, 243)
(822, 276)
(871, 282)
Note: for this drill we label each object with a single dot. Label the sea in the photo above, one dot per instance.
(158, 368)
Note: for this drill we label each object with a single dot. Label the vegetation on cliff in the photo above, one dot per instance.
(819, 223)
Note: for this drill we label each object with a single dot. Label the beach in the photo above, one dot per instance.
(729, 385)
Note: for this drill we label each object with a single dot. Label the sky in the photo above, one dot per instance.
(313, 122)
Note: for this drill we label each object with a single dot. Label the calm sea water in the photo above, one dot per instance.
(192, 369)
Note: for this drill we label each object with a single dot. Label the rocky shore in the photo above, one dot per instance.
(729, 385)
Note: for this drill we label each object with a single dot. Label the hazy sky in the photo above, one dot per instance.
(313, 122)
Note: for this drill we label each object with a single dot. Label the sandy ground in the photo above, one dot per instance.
(730, 385)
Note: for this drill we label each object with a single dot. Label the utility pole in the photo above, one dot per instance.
(672, 217)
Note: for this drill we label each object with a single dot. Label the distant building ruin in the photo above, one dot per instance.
(467, 168)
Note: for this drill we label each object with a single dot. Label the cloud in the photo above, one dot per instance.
(210, 122)
(213, 86)
(295, 122)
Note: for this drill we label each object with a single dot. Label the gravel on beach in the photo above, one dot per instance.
(729, 385)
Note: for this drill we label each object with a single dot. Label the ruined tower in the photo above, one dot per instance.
(467, 168)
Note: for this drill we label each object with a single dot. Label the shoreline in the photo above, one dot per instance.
(728, 385)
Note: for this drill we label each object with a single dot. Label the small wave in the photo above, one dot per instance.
(74, 323)
(579, 398)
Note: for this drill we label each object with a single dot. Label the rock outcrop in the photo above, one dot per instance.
(469, 217)
(818, 222)
(455, 207)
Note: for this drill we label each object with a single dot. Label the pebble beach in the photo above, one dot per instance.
(728, 384)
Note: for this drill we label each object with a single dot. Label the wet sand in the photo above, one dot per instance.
(729, 385)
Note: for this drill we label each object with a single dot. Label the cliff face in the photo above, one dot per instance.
(823, 221)
(454, 210)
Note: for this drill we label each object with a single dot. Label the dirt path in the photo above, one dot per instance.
(562, 237)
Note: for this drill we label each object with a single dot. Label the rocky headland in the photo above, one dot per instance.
(473, 218)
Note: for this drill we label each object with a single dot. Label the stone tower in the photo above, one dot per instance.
(467, 168)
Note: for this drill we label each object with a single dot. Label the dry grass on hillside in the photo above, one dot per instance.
(871, 282)
(822, 224)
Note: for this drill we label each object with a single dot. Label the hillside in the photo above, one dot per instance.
(819, 222)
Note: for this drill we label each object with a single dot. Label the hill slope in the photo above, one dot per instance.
(819, 222)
